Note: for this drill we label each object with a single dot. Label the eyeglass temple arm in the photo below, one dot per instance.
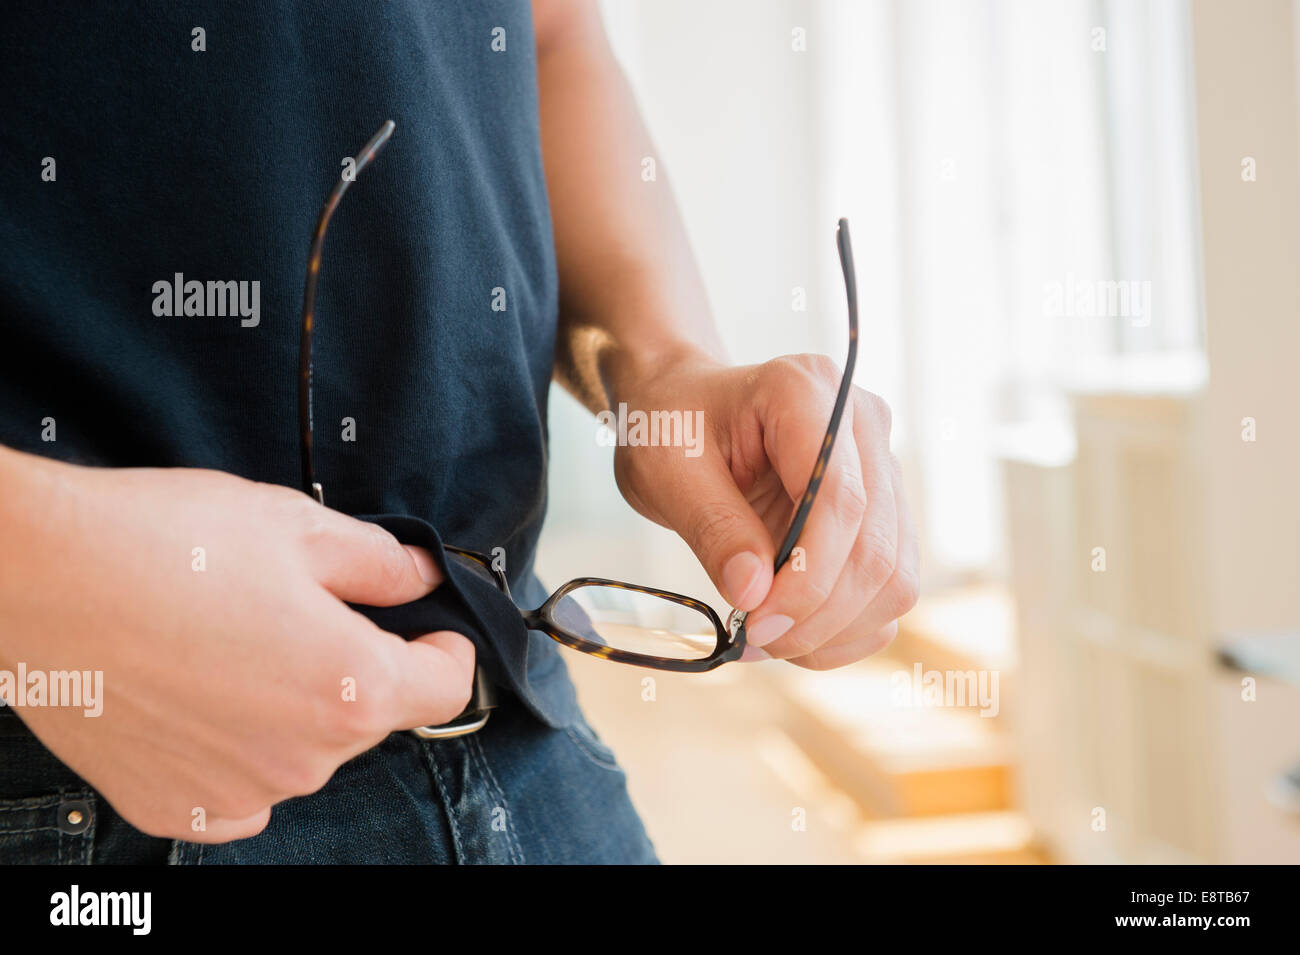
(736, 622)
(368, 151)
(841, 399)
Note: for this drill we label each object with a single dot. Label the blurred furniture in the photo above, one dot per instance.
(1130, 712)
(1116, 708)
(1258, 696)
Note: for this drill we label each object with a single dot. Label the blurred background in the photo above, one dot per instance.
(1076, 226)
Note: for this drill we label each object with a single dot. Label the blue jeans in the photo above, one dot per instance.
(518, 791)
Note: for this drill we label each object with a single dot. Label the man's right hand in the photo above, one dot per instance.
(234, 676)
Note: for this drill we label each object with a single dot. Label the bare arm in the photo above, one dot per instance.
(635, 327)
(631, 297)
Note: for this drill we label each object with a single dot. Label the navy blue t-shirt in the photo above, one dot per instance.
(137, 149)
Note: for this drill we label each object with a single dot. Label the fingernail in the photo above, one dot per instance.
(768, 629)
(754, 655)
(739, 577)
(428, 570)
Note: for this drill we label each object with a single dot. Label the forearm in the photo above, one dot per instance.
(34, 507)
(20, 476)
(631, 297)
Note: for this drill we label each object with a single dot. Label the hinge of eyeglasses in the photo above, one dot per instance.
(318, 492)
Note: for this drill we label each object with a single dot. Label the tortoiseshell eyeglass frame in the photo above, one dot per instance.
(730, 636)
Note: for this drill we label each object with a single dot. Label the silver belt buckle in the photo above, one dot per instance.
(453, 729)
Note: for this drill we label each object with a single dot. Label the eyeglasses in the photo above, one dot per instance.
(610, 619)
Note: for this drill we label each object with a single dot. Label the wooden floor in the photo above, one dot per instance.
(749, 765)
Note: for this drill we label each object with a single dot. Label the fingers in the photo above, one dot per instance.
(873, 557)
(398, 685)
(436, 680)
(829, 656)
(228, 830)
(827, 539)
(876, 626)
(362, 563)
(191, 808)
(428, 682)
(713, 517)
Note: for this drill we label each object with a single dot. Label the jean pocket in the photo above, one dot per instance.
(53, 829)
(591, 745)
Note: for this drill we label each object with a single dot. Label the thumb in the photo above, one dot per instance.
(713, 517)
(363, 563)
(437, 678)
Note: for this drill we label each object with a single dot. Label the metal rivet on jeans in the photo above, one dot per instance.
(74, 816)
